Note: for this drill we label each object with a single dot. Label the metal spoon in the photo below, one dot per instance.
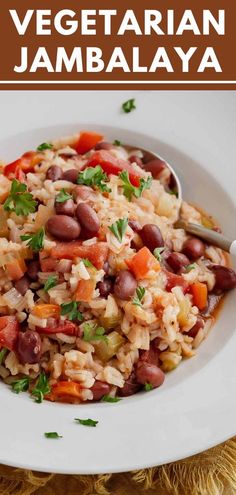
(207, 235)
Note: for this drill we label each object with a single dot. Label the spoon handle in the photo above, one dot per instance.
(208, 235)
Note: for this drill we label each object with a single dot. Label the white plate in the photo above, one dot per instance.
(195, 408)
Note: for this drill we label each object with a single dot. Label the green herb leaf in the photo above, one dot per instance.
(52, 434)
(148, 387)
(119, 228)
(117, 142)
(108, 398)
(137, 300)
(188, 268)
(94, 177)
(129, 190)
(87, 422)
(71, 310)
(129, 105)
(35, 241)
(62, 196)
(88, 263)
(20, 385)
(45, 146)
(3, 354)
(50, 283)
(41, 388)
(91, 332)
(158, 252)
(19, 200)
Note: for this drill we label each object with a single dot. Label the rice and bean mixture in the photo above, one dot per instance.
(100, 294)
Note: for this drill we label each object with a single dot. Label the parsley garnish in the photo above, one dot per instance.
(41, 388)
(119, 228)
(158, 252)
(50, 283)
(137, 300)
(35, 241)
(87, 263)
(52, 434)
(130, 190)
(71, 310)
(188, 268)
(109, 398)
(87, 422)
(45, 146)
(91, 332)
(94, 176)
(117, 142)
(21, 385)
(62, 196)
(148, 387)
(3, 353)
(129, 105)
(19, 200)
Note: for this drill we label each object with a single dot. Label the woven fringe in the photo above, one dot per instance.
(211, 473)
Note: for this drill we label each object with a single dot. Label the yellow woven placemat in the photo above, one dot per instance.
(211, 473)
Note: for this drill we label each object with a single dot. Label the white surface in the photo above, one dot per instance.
(196, 407)
(233, 248)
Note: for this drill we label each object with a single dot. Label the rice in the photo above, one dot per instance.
(87, 331)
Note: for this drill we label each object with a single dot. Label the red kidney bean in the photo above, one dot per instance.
(81, 192)
(88, 218)
(173, 280)
(130, 387)
(22, 285)
(125, 285)
(105, 287)
(65, 208)
(194, 248)
(33, 267)
(135, 225)
(54, 173)
(212, 303)
(63, 227)
(29, 347)
(151, 356)
(151, 236)
(155, 166)
(177, 261)
(104, 145)
(71, 175)
(225, 278)
(136, 159)
(100, 389)
(195, 329)
(149, 373)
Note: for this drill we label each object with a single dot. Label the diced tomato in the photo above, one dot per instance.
(96, 253)
(46, 310)
(20, 175)
(199, 292)
(16, 268)
(25, 164)
(67, 327)
(112, 165)
(142, 262)
(47, 264)
(9, 329)
(65, 392)
(85, 290)
(176, 280)
(87, 141)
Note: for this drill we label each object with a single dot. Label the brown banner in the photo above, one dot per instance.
(71, 50)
